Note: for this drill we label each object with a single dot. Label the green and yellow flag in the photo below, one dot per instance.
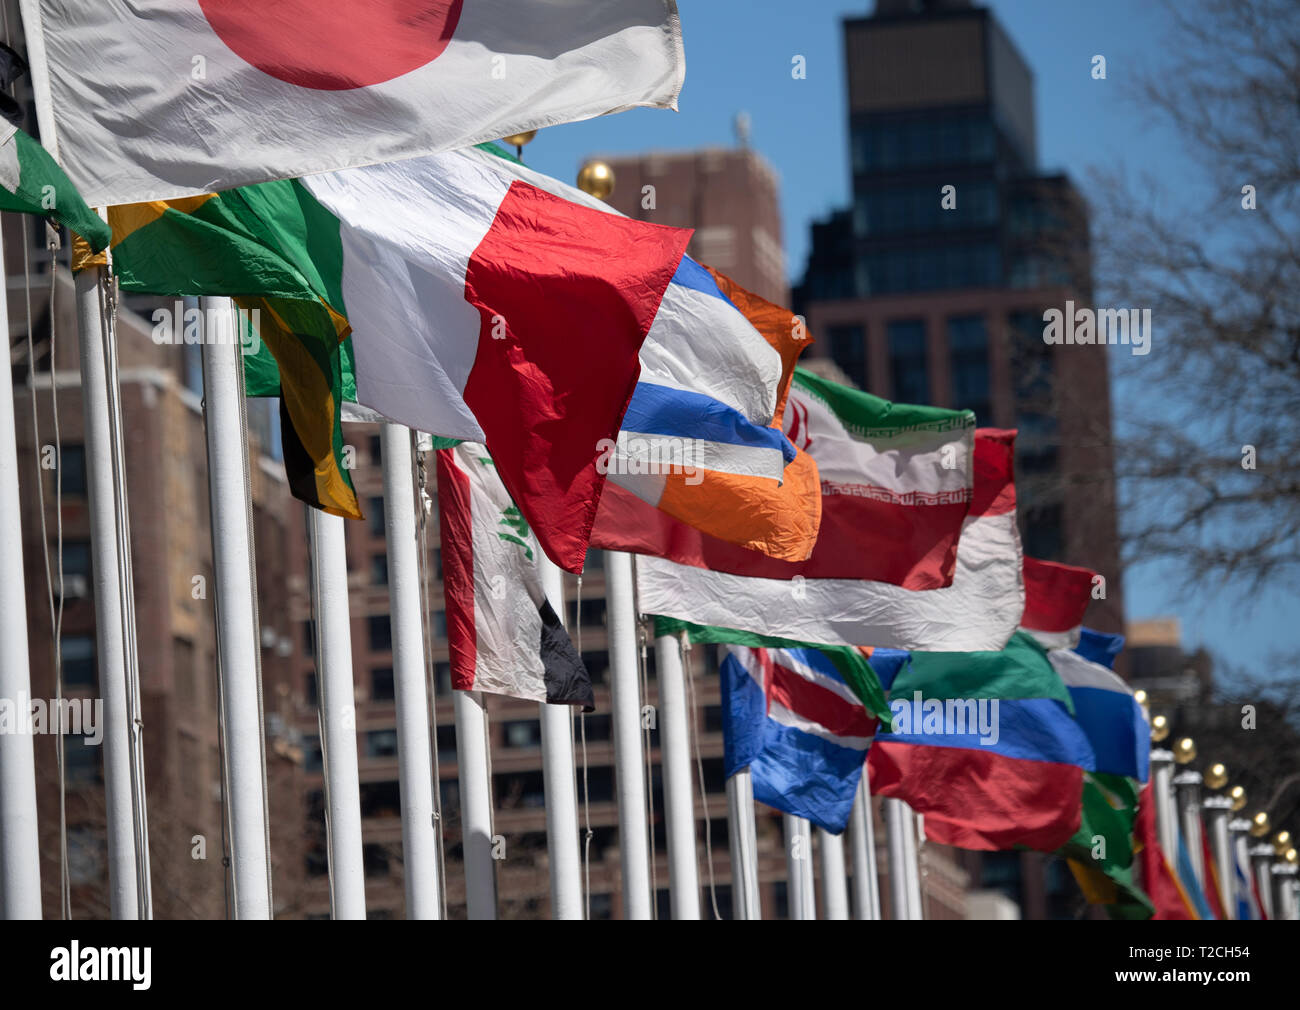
(1100, 855)
(277, 253)
(31, 182)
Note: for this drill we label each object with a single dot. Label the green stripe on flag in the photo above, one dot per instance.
(1021, 670)
(851, 664)
(31, 182)
(869, 417)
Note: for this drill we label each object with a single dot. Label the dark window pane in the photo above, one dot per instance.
(907, 361)
(381, 684)
(849, 351)
(381, 632)
(78, 661)
(72, 469)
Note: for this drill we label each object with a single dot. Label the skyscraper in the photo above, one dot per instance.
(932, 286)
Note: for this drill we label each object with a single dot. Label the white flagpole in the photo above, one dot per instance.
(1188, 786)
(911, 827)
(743, 836)
(475, 805)
(1261, 859)
(235, 593)
(625, 707)
(800, 897)
(1284, 887)
(1217, 809)
(862, 838)
(127, 831)
(835, 884)
(559, 781)
(20, 857)
(123, 871)
(1162, 789)
(900, 890)
(679, 799)
(338, 715)
(414, 752)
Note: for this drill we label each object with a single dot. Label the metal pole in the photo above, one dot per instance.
(1239, 831)
(338, 715)
(1218, 808)
(1188, 786)
(475, 804)
(20, 856)
(235, 591)
(835, 884)
(862, 840)
(559, 782)
(1162, 788)
(900, 892)
(1261, 858)
(743, 836)
(910, 828)
(411, 700)
(625, 708)
(800, 897)
(679, 799)
(123, 877)
(1284, 885)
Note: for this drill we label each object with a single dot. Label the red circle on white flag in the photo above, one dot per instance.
(337, 45)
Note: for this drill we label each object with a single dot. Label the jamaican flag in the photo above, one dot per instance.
(277, 253)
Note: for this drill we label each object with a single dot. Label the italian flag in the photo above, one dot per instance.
(896, 483)
(979, 610)
(504, 637)
(481, 307)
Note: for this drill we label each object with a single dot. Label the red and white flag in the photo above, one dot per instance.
(157, 99)
(504, 637)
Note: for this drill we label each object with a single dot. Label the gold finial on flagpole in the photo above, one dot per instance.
(1140, 696)
(1238, 796)
(1291, 856)
(518, 140)
(1185, 751)
(1259, 825)
(1159, 728)
(596, 178)
(1216, 777)
(1282, 842)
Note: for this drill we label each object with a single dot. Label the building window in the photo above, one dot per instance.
(78, 661)
(308, 638)
(381, 799)
(309, 688)
(968, 349)
(381, 684)
(379, 569)
(526, 733)
(381, 743)
(72, 470)
(907, 361)
(375, 510)
(446, 743)
(442, 677)
(80, 760)
(86, 847)
(849, 351)
(313, 758)
(374, 449)
(381, 632)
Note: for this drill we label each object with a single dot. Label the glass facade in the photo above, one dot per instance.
(907, 361)
(968, 349)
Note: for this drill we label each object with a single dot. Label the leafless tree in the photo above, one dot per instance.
(1209, 457)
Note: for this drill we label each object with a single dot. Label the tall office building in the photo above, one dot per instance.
(730, 196)
(931, 288)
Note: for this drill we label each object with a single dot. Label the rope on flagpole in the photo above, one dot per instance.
(423, 512)
(586, 793)
(699, 767)
(56, 611)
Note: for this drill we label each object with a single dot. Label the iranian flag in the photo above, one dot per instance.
(157, 99)
(504, 637)
(980, 610)
(896, 485)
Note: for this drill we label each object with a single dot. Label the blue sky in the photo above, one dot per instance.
(739, 56)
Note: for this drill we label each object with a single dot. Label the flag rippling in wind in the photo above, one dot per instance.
(481, 307)
(981, 609)
(794, 715)
(158, 99)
